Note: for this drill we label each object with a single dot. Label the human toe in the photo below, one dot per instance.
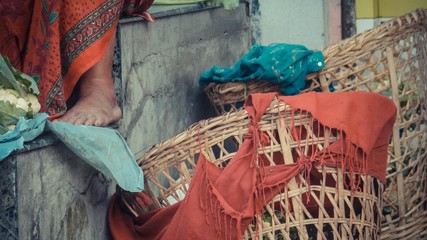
(90, 121)
(79, 119)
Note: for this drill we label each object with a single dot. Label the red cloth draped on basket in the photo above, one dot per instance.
(221, 203)
(56, 41)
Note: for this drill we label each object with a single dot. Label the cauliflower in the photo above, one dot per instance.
(28, 103)
(7, 95)
(22, 104)
(18, 96)
(33, 103)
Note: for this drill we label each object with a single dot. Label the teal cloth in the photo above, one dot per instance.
(284, 64)
(101, 147)
(25, 131)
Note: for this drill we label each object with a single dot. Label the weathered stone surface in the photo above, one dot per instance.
(161, 65)
(8, 200)
(60, 196)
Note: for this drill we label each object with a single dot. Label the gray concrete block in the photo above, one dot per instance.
(60, 196)
(161, 65)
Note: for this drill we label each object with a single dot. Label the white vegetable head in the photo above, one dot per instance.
(7, 96)
(33, 102)
(22, 104)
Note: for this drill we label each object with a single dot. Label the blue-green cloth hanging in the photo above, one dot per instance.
(101, 147)
(284, 64)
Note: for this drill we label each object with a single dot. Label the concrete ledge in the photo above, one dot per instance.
(161, 11)
(49, 193)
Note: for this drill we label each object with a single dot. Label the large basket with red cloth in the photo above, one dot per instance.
(390, 59)
(282, 168)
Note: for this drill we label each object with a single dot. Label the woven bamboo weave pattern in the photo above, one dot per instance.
(226, 97)
(335, 210)
(390, 59)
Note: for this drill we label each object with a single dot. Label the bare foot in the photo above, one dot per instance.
(97, 103)
(95, 107)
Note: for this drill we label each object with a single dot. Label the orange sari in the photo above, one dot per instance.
(222, 202)
(57, 41)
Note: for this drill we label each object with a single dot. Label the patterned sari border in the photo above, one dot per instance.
(87, 31)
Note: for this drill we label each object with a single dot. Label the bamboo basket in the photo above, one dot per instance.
(390, 59)
(349, 214)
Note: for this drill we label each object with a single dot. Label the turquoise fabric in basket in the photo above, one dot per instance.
(284, 64)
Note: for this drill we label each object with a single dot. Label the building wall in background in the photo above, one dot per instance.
(370, 13)
(314, 24)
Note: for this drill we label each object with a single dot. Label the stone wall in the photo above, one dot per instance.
(60, 196)
(161, 64)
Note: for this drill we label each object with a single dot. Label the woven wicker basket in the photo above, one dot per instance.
(390, 59)
(334, 212)
(230, 96)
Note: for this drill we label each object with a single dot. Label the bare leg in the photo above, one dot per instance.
(97, 103)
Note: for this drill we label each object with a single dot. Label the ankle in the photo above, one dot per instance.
(97, 86)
